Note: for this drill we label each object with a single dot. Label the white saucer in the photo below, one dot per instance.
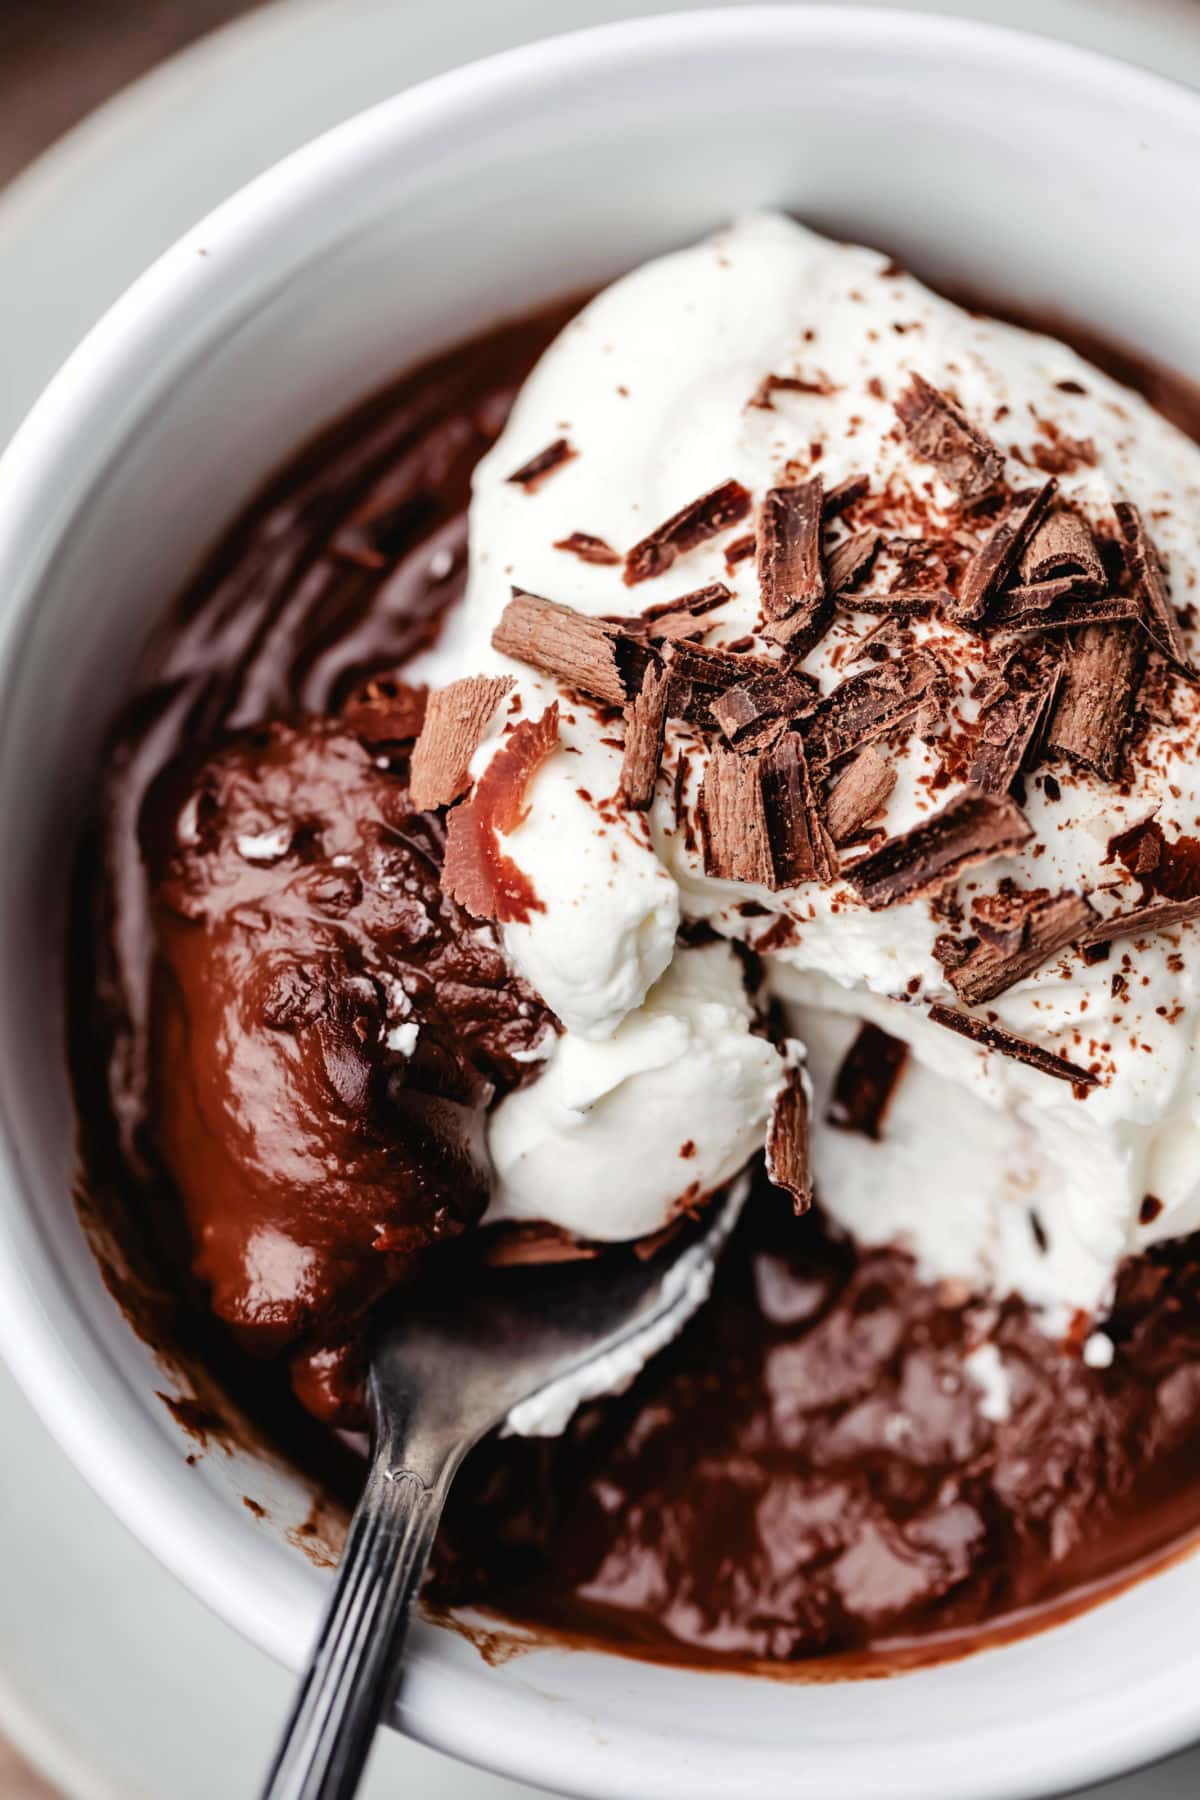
(114, 1681)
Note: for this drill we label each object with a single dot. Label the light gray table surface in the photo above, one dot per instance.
(114, 1682)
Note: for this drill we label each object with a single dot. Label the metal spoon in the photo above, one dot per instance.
(523, 1346)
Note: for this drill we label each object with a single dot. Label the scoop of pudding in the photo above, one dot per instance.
(329, 1030)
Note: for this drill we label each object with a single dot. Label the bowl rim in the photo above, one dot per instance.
(56, 1355)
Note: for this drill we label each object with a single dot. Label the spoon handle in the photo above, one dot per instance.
(354, 1666)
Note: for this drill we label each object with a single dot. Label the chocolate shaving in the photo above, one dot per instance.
(1062, 547)
(858, 794)
(901, 603)
(1012, 726)
(994, 1037)
(1041, 924)
(456, 719)
(476, 871)
(1001, 918)
(866, 1081)
(700, 672)
(699, 600)
(820, 383)
(1056, 606)
(973, 828)
(993, 563)
(844, 495)
(762, 822)
(645, 724)
(386, 710)
(940, 433)
(1091, 718)
(713, 512)
(531, 474)
(889, 636)
(790, 577)
(511, 1246)
(867, 706)
(801, 848)
(849, 561)
(788, 1165)
(680, 618)
(733, 812)
(1139, 921)
(742, 710)
(593, 655)
(587, 548)
(1162, 620)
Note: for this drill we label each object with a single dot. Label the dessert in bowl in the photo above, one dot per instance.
(823, 780)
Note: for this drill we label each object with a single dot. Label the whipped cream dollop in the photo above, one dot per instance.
(619, 1134)
(766, 355)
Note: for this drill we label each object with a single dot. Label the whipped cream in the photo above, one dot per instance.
(619, 1135)
(989, 1171)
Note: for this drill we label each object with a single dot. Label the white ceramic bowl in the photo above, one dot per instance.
(1027, 170)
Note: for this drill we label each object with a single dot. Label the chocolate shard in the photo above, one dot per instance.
(840, 498)
(993, 563)
(867, 706)
(456, 718)
(1042, 924)
(1063, 548)
(1140, 921)
(681, 618)
(940, 433)
(1001, 918)
(859, 794)
(734, 818)
(693, 524)
(700, 672)
(1056, 606)
(888, 637)
(953, 952)
(477, 871)
(762, 821)
(531, 474)
(592, 655)
(510, 1246)
(900, 603)
(1012, 726)
(1007, 1043)
(817, 383)
(743, 710)
(866, 1081)
(972, 828)
(790, 576)
(801, 848)
(587, 548)
(645, 725)
(849, 561)
(788, 1163)
(1100, 680)
(1162, 620)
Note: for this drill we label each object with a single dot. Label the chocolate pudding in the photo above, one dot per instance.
(337, 1022)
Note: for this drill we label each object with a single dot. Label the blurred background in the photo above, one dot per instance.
(60, 58)
(121, 123)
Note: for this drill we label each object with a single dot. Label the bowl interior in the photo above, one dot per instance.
(1038, 175)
